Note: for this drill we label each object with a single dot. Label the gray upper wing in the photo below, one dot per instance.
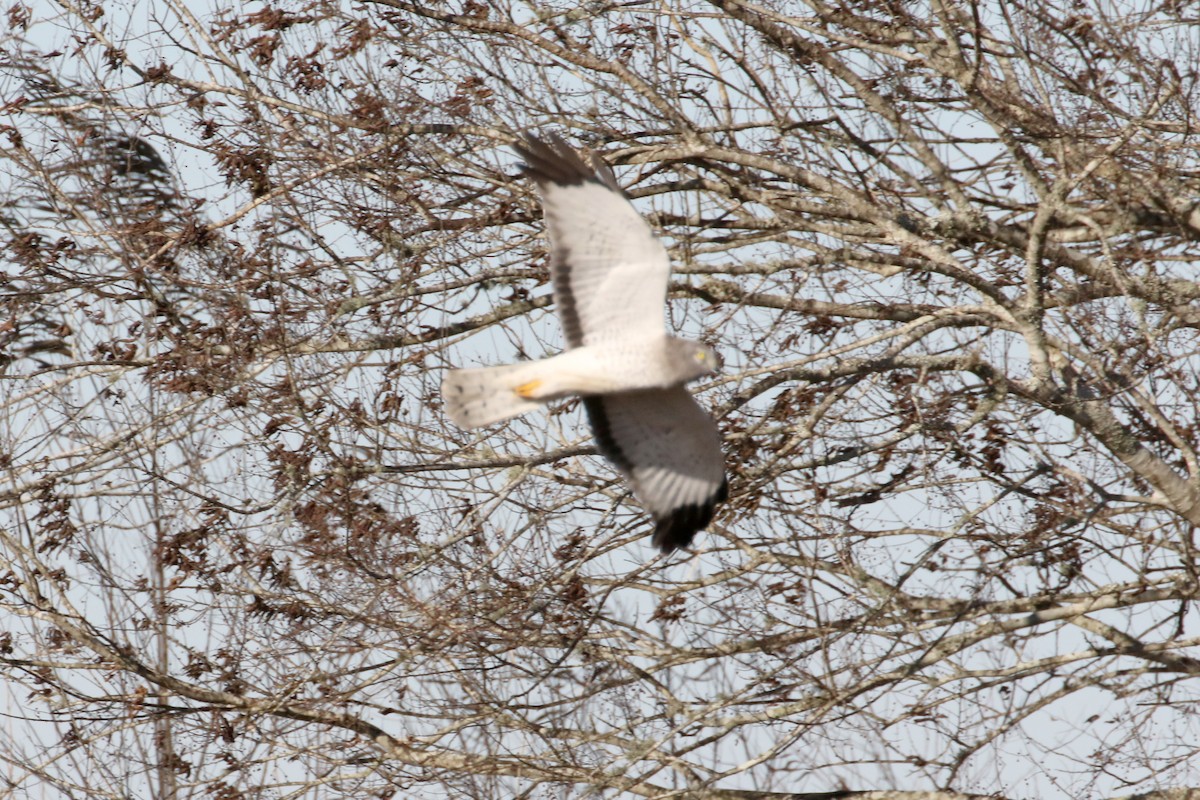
(609, 270)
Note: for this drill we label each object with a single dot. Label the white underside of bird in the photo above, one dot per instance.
(485, 395)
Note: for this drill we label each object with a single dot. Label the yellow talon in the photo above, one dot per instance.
(526, 390)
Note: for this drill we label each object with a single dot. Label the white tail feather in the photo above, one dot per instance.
(478, 397)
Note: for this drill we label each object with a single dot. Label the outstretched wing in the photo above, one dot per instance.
(670, 450)
(609, 271)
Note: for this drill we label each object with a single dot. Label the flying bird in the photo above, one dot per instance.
(609, 274)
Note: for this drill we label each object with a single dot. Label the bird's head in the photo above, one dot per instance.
(695, 359)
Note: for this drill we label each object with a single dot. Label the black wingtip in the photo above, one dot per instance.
(677, 529)
(552, 160)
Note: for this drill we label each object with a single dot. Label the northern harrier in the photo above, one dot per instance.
(610, 284)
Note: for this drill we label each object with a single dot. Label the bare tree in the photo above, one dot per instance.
(947, 250)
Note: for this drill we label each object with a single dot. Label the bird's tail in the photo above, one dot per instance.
(478, 397)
